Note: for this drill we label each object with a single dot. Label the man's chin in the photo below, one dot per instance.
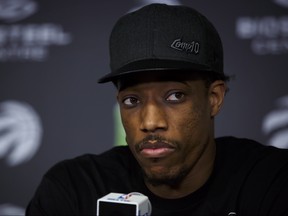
(171, 180)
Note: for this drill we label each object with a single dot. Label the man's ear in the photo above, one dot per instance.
(217, 91)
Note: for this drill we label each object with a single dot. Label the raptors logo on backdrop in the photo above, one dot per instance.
(275, 124)
(20, 138)
(20, 132)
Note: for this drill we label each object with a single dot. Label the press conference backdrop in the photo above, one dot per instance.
(53, 52)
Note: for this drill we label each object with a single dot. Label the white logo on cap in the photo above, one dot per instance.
(191, 47)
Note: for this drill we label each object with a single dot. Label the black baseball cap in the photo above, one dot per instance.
(163, 38)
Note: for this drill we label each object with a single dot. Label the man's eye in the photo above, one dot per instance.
(130, 101)
(176, 96)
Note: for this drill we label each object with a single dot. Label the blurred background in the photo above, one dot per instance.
(53, 52)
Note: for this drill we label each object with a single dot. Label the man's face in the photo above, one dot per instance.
(168, 126)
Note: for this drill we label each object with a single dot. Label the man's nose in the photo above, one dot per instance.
(153, 118)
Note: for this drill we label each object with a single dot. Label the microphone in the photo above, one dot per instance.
(120, 204)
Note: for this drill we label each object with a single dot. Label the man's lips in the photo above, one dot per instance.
(155, 149)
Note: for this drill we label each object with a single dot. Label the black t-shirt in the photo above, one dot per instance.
(248, 179)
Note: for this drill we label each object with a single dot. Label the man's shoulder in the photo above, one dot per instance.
(256, 173)
(245, 145)
(250, 153)
(117, 158)
(82, 180)
(230, 141)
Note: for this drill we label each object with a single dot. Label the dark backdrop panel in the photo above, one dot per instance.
(53, 52)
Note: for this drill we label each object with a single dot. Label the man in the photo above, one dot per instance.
(167, 66)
